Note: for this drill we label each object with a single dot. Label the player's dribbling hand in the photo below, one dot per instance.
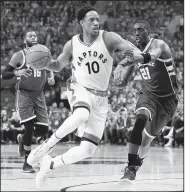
(118, 75)
(51, 81)
(23, 72)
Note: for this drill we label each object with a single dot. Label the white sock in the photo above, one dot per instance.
(170, 132)
(78, 118)
(75, 154)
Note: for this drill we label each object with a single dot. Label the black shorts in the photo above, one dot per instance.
(161, 110)
(32, 107)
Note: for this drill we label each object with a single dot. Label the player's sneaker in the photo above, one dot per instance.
(38, 153)
(44, 169)
(129, 174)
(28, 168)
(20, 146)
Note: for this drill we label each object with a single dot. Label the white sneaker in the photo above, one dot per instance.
(44, 169)
(169, 144)
(38, 153)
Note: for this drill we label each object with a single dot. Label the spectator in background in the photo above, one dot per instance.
(110, 126)
(15, 126)
(4, 127)
(176, 134)
(123, 123)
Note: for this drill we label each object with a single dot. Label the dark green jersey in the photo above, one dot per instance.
(159, 77)
(36, 81)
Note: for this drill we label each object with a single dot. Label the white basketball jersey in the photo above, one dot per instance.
(92, 64)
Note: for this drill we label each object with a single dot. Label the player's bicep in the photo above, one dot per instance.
(118, 43)
(155, 53)
(66, 55)
(159, 49)
(167, 51)
(127, 45)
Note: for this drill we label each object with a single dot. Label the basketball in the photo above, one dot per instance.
(38, 57)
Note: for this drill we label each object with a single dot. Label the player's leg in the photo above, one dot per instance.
(93, 133)
(166, 108)
(27, 117)
(94, 129)
(145, 110)
(41, 123)
(84, 150)
(146, 140)
(81, 108)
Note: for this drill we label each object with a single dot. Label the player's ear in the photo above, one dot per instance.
(24, 41)
(81, 23)
(148, 31)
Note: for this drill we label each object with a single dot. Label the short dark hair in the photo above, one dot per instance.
(123, 109)
(25, 33)
(147, 25)
(83, 10)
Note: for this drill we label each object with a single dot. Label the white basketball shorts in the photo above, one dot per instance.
(79, 96)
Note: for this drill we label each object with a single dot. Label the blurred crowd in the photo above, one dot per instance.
(55, 23)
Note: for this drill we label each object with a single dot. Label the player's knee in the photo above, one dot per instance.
(88, 148)
(81, 114)
(142, 113)
(40, 130)
(141, 121)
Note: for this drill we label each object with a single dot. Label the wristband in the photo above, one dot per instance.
(146, 57)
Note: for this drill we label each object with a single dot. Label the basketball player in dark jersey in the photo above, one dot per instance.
(157, 100)
(30, 100)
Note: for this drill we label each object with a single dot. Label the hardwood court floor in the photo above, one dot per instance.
(161, 171)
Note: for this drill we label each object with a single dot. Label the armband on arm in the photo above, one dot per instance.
(146, 57)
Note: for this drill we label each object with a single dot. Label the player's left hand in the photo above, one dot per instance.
(129, 54)
(118, 74)
(51, 81)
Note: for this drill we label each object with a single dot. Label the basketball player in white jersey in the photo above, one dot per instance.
(90, 55)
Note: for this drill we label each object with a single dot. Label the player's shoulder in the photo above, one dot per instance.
(109, 35)
(111, 39)
(159, 42)
(68, 44)
(17, 55)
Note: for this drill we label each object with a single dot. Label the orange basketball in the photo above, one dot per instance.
(38, 57)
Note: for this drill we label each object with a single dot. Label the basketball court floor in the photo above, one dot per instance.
(161, 171)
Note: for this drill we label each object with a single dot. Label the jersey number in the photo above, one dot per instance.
(36, 73)
(93, 67)
(145, 73)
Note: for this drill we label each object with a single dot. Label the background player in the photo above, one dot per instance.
(30, 97)
(91, 54)
(157, 101)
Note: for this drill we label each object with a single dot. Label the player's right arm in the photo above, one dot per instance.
(10, 69)
(117, 45)
(62, 60)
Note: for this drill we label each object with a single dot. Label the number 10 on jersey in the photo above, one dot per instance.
(93, 67)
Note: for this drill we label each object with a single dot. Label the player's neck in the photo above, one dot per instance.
(27, 47)
(88, 38)
(143, 45)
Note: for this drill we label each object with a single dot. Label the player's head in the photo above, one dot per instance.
(30, 38)
(123, 113)
(141, 31)
(89, 20)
